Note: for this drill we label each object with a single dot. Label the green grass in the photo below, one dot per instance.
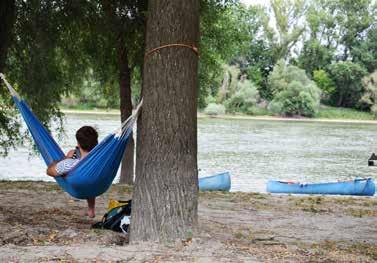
(327, 112)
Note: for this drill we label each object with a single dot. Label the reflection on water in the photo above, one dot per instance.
(253, 151)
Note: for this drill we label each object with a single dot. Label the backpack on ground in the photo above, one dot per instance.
(117, 217)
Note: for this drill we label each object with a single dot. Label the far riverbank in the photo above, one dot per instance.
(114, 112)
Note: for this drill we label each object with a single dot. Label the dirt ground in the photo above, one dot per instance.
(40, 223)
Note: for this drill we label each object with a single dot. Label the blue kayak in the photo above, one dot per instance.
(354, 187)
(217, 182)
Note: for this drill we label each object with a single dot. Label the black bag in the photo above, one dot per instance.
(372, 160)
(116, 219)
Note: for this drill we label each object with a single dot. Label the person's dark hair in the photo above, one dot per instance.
(87, 137)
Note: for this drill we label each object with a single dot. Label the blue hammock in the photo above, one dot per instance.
(94, 174)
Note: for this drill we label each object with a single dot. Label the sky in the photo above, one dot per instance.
(249, 2)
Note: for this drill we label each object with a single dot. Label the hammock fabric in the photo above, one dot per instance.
(94, 174)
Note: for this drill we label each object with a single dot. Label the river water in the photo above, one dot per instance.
(253, 151)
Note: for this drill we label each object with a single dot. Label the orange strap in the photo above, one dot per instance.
(192, 47)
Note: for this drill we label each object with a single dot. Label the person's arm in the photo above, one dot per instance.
(61, 168)
(51, 170)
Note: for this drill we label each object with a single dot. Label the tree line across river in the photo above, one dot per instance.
(287, 57)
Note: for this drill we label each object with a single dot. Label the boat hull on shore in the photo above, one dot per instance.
(364, 187)
(217, 182)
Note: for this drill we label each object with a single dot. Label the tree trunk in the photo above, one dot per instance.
(7, 17)
(127, 168)
(165, 198)
(340, 100)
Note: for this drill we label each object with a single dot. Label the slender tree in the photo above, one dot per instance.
(166, 185)
(289, 26)
(124, 27)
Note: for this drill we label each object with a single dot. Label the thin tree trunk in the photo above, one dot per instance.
(7, 17)
(127, 168)
(340, 100)
(166, 185)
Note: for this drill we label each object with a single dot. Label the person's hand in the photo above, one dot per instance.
(70, 154)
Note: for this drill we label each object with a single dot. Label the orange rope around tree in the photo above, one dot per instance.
(192, 47)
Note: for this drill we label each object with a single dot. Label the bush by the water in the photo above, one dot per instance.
(294, 94)
(369, 99)
(325, 83)
(214, 109)
(347, 78)
(245, 99)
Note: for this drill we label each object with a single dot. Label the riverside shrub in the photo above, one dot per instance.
(244, 100)
(294, 94)
(214, 109)
(369, 99)
(347, 77)
(325, 83)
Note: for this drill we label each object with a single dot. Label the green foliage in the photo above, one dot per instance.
(296, 100)
(210, 100)
(223, 35)
(369, 99)
(34, 66)
(365, 52)
(294, 94)
(258, 64)
(269, 44)
(340, 23)
(288, 15)
(283, 75)
(214, 109)
(347, 79)
(244, 99)
(257, 60)
(327, 112)
(325, 83)
(314, 56)
(8, 138)
(110, 37)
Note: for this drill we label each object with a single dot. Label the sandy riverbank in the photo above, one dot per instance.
(41, 223)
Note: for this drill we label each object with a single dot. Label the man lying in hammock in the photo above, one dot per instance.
(87, 139)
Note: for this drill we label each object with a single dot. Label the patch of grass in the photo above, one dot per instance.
(364, 249)
(311, 209)
(29, 185)
(238, 235)
(327, 112)
(98, 232)
(312, 204)
(215, 194)
(345, 201)
(342, 249)
(361, 212)
(122, 188)
(327, 245)
(233, 196)
(245, 197)
(258, 111)
(370, 203)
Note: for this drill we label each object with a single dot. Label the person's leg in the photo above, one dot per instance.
(91, 207)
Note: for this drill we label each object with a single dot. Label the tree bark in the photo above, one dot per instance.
(166, 185)
(127, 167)
(7, 17)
